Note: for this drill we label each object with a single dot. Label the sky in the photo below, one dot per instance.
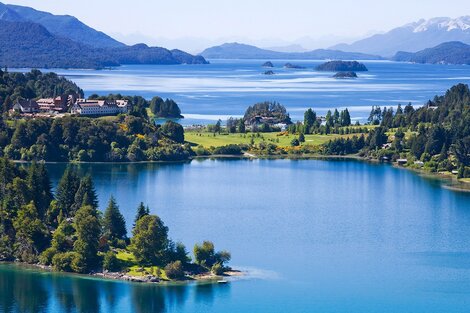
(195, 24)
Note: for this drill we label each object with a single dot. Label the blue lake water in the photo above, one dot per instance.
(314, 236)
(227, 87)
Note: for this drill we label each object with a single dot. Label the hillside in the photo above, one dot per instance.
(446, 53)
(27, 44)
(61, 25)
(242, 51)
(413, 37)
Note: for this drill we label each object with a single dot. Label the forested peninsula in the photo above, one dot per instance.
(434, 137)
(66, 232)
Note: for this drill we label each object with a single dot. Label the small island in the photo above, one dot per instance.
(268, 64)
(342, 66)
(64, 231)
(269, 73)
(345, 75)
(294, 66)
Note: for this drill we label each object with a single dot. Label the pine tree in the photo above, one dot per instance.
(142, 211)
(114, 224)
(85, 195)
(87, 230)
(66, 190)
(346, 118)
(309, 120)
(40, 186)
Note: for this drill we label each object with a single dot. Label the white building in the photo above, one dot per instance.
(99, 107)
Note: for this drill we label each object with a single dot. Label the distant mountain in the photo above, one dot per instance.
(28, 44)
(61, 25)
(447, 53)
(242, 51)
(413, 37)
(288, 48)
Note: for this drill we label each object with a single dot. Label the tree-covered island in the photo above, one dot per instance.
(65, 231)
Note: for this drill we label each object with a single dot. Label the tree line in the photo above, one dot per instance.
(438, 133)
(32, 85)
(128, 138)
(67, 231)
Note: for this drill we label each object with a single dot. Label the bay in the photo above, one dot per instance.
(313, 236)
(226, 88)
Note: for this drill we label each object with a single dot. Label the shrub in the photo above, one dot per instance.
(228, 150)
(295, 142)
(111, 262)
(200, 150)
(63, 261)
(174, 270)
(46, 257)
(217, 269)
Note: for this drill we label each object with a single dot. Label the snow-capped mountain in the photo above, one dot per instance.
(441, 23)
(413, 37)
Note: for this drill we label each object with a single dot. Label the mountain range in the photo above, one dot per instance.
(31, 38)
(243, 51)
(413, 37)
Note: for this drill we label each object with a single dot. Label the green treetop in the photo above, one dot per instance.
(150, 240)
(114, 224)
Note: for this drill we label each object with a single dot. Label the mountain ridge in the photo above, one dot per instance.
(413, 37)
(61, 25)
(454, 52)
(237, 50)
(28, 44)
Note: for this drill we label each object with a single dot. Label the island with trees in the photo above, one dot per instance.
(66, 231)
(342, 66)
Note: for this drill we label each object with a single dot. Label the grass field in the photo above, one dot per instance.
(207, 139)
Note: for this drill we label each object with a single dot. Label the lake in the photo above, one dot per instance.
(226, 88)
(313, 236)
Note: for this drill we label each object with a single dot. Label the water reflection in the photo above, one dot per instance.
(29, 290)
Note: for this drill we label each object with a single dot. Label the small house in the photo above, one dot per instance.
(26, 106)
(402, 161)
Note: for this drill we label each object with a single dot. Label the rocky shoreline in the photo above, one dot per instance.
(152, 279)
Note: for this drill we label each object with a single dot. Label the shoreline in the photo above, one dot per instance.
(206, 277)
(449, 180)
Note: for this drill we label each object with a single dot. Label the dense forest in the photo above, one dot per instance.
(67, 231)
(437, 134)
(131, 137)
(127, 138)
(32, 85)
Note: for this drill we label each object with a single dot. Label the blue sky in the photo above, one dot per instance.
(272, 22)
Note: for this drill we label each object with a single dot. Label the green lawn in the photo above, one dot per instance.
(133, 269)
(209, 140)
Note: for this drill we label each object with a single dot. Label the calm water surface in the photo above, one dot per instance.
(227, 87)
(314, 236)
